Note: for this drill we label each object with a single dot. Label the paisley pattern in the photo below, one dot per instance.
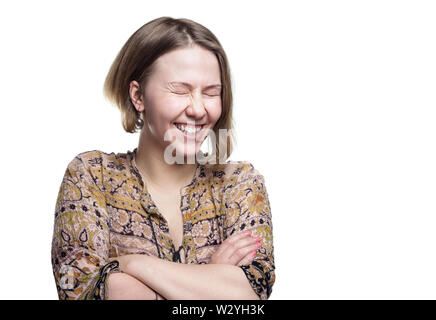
(103, 210)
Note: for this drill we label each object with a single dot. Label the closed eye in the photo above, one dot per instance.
(213, 93)
(180, 92)
(207, 94)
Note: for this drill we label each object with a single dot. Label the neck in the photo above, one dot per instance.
(156, 172)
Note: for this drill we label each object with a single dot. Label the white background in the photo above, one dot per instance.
(334, 104)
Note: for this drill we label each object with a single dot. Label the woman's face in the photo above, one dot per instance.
(183, 90)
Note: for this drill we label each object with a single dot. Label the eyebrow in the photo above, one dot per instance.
(190, 86)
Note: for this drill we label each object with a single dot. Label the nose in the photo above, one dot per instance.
(196, 107)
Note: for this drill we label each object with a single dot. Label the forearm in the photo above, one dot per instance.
(192, 281)
(122, 286)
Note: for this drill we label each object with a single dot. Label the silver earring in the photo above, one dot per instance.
(139, 123)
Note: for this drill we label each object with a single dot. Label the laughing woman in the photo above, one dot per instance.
(139, 225)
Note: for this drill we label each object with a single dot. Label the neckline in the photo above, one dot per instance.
(144, 185)
(152, 207)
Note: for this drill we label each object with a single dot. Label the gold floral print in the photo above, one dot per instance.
(103, 210)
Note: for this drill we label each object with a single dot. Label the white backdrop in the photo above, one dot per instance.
(334, 104)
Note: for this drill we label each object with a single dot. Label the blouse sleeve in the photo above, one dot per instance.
(80, 244)
(248, 208)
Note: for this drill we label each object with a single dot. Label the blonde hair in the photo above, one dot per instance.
(135, 62)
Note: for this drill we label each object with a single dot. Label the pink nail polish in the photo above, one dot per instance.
(253, 253)
(258, 245)
(247, 233)
(257, 238)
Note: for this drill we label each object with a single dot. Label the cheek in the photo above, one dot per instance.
(166, 110)
(158, 120)
(214, 109)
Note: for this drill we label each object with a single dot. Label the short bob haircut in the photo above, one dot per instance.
(135, 62)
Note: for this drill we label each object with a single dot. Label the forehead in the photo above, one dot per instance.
(188, 63)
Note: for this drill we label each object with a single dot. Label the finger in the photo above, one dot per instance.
(248, 241)
(232, 248)
(242, 252)
(238, 236)
(247, 259)
(230, 241)
(229, 249)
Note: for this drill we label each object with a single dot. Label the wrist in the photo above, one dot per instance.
(138, 266)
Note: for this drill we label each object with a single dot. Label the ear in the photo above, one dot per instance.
(136, 96)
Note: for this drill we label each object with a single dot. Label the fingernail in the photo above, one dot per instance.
(247, 233)
(253, 253)
(256, 238)
(258, 245)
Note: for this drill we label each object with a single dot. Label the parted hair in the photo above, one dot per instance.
(136, 59)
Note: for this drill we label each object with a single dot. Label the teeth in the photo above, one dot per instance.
(187, 130)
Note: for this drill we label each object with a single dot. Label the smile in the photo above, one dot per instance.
(188, 130)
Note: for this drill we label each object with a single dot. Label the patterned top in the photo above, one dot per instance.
(103, 211)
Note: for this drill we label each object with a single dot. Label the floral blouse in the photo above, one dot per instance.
(103, 211)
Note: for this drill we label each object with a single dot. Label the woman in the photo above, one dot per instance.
(120, 217)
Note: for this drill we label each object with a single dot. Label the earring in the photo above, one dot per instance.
(139, 123)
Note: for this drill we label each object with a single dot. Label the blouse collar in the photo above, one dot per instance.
(135, 171)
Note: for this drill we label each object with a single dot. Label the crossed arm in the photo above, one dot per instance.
(221, 279)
